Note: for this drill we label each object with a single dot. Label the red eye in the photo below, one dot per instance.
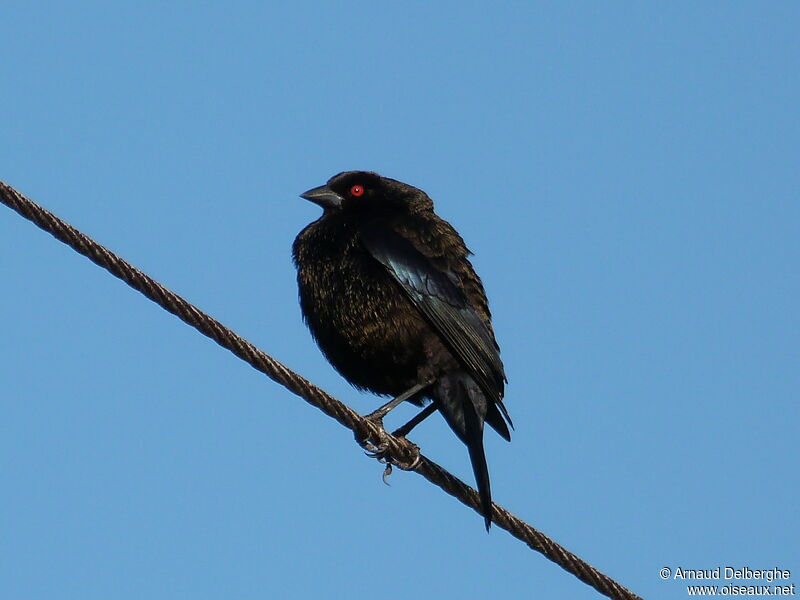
(357, 190)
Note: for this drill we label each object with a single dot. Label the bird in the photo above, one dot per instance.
(389, 295)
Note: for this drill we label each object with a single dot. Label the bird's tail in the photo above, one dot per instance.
(464, 407)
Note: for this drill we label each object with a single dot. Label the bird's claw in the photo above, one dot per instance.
(381, 454)
(386, 472)
(374, 448)
(379, 450)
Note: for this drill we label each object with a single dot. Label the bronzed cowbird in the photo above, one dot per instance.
(390, 296)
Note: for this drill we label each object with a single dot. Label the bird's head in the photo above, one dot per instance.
(364, 192)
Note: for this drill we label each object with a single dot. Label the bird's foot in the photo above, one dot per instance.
(377, 446)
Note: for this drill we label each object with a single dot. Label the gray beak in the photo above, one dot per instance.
(324, 196)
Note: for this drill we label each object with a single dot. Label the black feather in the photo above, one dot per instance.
(392, 300)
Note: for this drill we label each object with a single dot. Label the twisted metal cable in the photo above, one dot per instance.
(394, 451)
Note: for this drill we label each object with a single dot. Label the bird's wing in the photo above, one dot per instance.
(439, 297)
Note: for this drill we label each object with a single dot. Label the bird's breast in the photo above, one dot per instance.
(361, 319)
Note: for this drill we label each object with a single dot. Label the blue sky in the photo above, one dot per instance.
(627, 176)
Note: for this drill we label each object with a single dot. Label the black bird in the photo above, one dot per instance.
(393, 302)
